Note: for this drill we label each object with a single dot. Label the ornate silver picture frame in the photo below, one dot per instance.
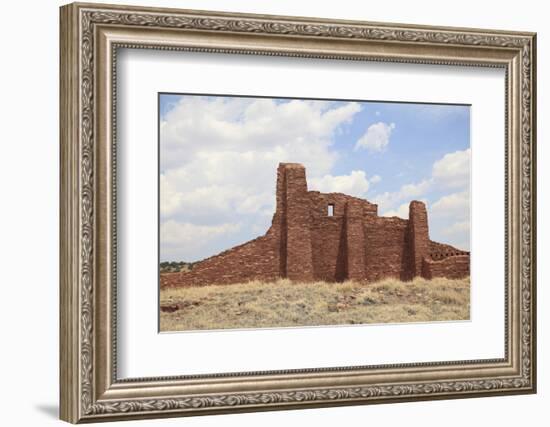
(91, 37)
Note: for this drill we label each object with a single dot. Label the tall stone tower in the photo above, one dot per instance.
(293, 206)
(419, 239)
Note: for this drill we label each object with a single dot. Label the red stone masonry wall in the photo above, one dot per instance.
(299, 260)
(328, 250)
(332, 235)
(305, 244)
(453, 267)
(355, 249)
(418, 239)
(386, 249)
(257, 259)
(439, 251)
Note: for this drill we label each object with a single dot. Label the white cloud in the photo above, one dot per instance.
(172, 232)
(302, 129)
(376, 138)
(188, 241)
(408, 192)
(354, 184)
(414, 190)
(170, 198)
(456, 233)
(458, 228)
(402, 211)
(455, 205)
(219, 157)
(222, 153)
(450, 219)
(453, 170)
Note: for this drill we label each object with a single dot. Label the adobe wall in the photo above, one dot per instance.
(296, 217)
(439, 251)
(385, 247)
(328, 250)
(338, 241)
(418, 239)
(453, 267)
(320, 201)
(305, 243)
(355, 248)
(257, 259)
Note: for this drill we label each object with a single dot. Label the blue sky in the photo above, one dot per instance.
(218, 158)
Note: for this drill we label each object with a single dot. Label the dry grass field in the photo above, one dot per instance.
(284, 303)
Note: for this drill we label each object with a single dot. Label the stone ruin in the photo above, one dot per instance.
(330, 237)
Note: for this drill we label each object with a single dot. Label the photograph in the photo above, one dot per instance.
(292, 212)
(288, 208)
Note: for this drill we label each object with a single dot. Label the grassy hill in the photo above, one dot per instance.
(284, 303)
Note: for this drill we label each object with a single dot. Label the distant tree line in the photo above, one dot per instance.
(175, 266)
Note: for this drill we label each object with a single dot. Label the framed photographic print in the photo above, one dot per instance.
(316, 250)
(266, 212)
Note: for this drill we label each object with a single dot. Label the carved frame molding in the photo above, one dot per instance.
(90, 36)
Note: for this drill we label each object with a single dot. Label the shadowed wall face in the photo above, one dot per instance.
(328, 252)
(299, 262)
(385, 241)
(418, 235)
(355, 241)
(330, 237)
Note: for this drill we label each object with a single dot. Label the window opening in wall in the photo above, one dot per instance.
(330, 210)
